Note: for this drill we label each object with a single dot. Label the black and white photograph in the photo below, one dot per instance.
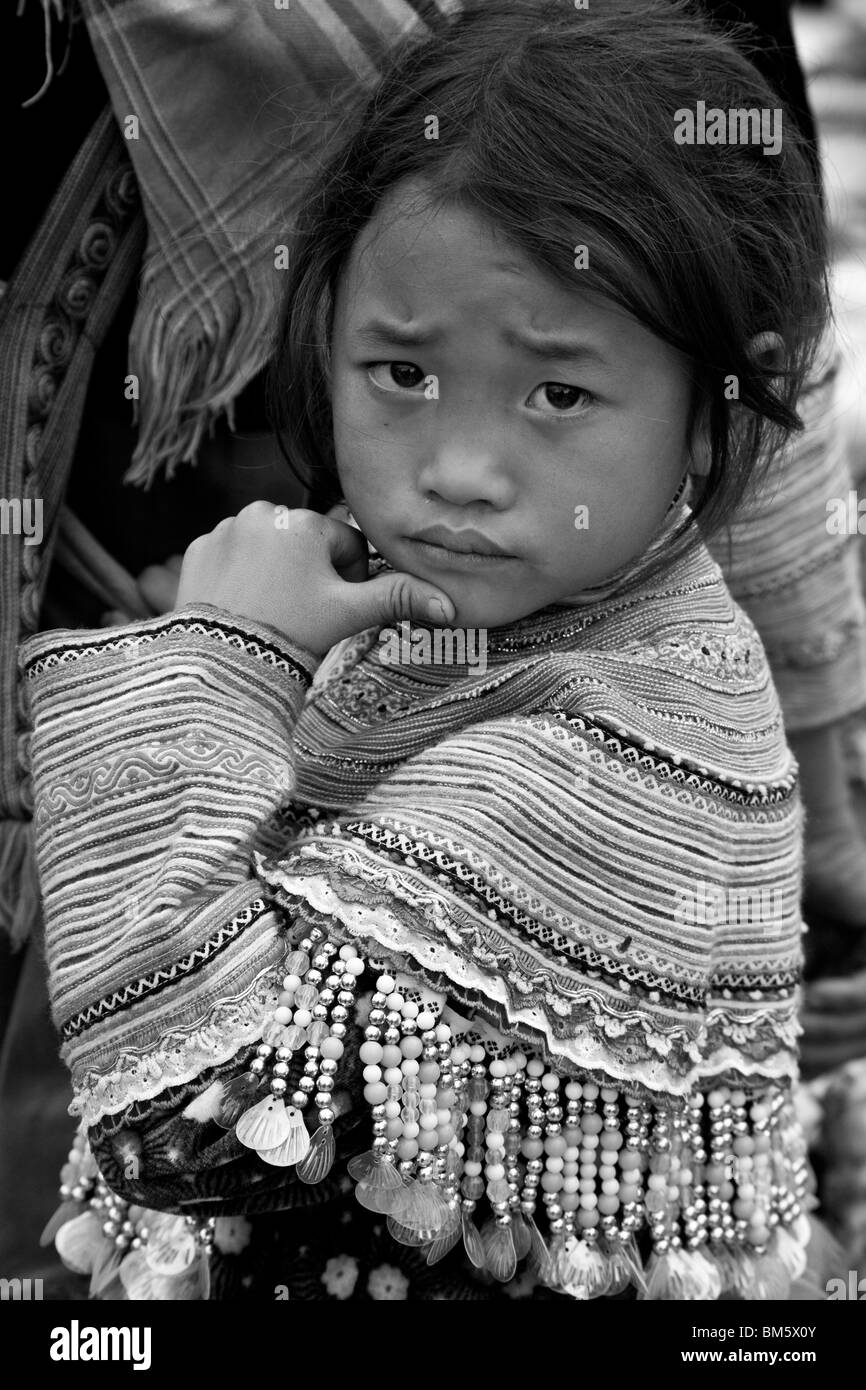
(433, 662)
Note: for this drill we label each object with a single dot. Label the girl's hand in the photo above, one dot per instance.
(306, 577)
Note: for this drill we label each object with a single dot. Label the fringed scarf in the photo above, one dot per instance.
(224, 108)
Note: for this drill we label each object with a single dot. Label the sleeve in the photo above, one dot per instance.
(159, 753)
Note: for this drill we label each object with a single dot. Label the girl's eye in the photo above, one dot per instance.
(396, 376)
(552, 397)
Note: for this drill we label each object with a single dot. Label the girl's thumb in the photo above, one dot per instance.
(391, 597)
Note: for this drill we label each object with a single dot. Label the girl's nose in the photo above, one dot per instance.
(463, 472)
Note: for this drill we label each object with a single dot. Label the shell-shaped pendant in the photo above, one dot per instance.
(583, 1270)
(320, 1156)
(380, 1183)
(423, 1208)
(539, 1255)
(790, 1252)
(772, 1280)
(448, 1237)
(171, 1246)
(472, 1241)
(237, 1098)
(522, 1238)
(500, 1257)
(625, 1265)
(79, 1241)
(265, 1126)
(293, 1147)
(405, 1235)
(66, 1212)
(681, 1276)
(142, 1284)
(106, 1268)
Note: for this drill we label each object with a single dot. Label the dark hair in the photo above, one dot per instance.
(557, 126)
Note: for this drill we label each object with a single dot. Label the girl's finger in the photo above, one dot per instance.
(347, 549)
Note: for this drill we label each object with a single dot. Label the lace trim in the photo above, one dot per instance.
(181, 1055)
(616, 1044)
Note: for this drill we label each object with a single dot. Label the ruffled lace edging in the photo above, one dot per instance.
(180, 1056)
(616, 1046)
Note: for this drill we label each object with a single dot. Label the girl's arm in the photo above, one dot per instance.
(159, 752)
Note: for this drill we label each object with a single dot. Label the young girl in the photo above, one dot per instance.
(520, 942)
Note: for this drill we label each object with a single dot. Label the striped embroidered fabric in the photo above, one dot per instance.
(151, 984)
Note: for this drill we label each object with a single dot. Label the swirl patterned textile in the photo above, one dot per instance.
(579, 871)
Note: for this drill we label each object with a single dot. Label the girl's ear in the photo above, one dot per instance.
(766, 350)
(700, 453)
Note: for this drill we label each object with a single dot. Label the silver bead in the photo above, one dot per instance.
(257, 1065)
(281, 1069)
(338, 1030)
(326, 1115)
(299, 1100)
(307, 1085)
(263, 1050)
(345, 999)
(278, 1086)
(328, 1066)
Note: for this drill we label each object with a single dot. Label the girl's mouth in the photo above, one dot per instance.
(459, 559)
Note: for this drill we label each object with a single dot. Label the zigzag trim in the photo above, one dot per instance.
(161, 979)
(471, 885)
(207, 627)
(678, 769)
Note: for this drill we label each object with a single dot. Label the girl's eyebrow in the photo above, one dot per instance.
(545, 349)
(562, 349)
(378, 331)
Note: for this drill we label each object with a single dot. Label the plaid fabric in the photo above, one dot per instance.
(224, 105)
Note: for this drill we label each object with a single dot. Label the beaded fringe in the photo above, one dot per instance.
(491, 1148)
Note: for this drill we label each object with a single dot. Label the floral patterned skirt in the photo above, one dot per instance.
(339, 1251)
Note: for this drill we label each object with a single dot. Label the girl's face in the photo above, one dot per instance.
(496, 434)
